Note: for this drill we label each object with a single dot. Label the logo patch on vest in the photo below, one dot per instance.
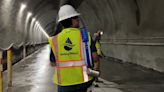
(68, 44)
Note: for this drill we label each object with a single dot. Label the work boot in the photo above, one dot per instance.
(98, 81)
(95, 84)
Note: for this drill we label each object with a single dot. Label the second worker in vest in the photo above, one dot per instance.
(71, 71)
(97, 38)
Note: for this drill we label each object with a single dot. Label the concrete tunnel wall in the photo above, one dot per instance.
(16, 28)
(133, 29)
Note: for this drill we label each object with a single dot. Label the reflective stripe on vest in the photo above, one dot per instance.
(70, 56)
(70, 64)
(53, 44)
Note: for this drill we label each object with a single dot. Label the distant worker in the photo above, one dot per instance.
(97, 38)
(71, 69)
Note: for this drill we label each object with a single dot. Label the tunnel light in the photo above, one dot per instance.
(23, 6)
(31, 28)
(19, 17)
(37, 23)
(29, 14)
(33, 19)
(44, 32)
(41, 29)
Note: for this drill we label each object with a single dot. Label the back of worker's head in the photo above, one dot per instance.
(66, 23)
(65, 14)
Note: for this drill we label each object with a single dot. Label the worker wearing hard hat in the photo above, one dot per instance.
(71, 71)
(97, 38)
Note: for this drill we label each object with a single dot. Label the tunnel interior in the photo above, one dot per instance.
(133, 29)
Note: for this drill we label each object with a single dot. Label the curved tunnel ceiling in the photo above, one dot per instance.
(119, 19)
(14, 21)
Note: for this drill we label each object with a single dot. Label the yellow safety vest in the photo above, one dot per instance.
(98, 47)
(68, 48)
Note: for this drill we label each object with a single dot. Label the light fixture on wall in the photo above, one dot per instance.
(23, 6)
(41, 29)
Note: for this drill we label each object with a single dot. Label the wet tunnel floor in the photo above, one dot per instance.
(34, 74)
(130, 77)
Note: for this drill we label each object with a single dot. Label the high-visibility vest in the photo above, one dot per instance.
(69, 51)
(98, 47)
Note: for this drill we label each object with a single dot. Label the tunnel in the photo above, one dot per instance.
(133, 30)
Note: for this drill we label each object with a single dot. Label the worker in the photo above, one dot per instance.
(71, 69)
(97, 38)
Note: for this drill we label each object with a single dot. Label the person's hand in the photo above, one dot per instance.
(52, 64)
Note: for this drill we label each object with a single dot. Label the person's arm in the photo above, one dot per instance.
(95, 57)
(103, 54)
(52, 58)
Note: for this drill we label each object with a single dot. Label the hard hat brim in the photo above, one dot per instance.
(73, 15)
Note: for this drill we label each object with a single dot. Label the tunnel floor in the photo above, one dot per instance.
(130, 77)
(34, 74)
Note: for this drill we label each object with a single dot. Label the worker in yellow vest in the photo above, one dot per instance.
(97, 38)
(71, 70)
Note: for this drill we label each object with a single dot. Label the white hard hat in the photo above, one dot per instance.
(67, 11)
